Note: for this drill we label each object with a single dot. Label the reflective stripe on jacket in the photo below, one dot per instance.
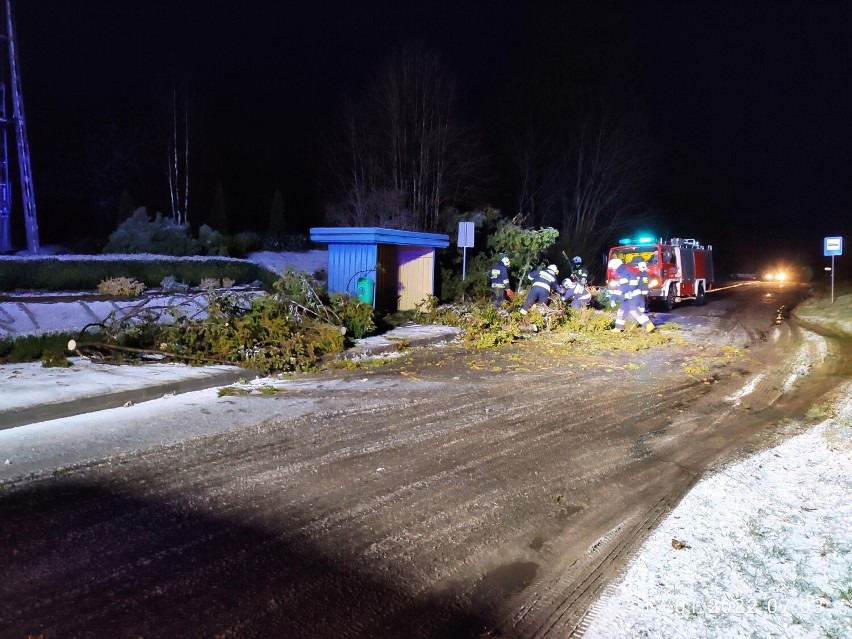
(546, 280)
(499, 275)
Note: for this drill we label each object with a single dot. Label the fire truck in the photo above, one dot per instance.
(680, 269)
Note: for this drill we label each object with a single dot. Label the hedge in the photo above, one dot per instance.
(81, 273)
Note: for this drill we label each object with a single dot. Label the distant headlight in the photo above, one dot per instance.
(769, 276)
(780, 276)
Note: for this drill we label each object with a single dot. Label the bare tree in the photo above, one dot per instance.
(575, 119)
(596, 186)
(532, 150)
(374, 207)
(178, 164)
(351, 171)
(583, 174)
(402, 155)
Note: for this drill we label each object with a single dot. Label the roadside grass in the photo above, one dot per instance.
(822, 411)
(362, 363)
(236, 390)
(834, 318)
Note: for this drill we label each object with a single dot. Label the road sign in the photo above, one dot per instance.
(465, 242)
(833, 246)
(465, 234)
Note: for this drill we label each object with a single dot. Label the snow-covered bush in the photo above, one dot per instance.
(141, 234)
(209, 283)
(286, 243)
(120, 286)
(170, 283)
(212, 242)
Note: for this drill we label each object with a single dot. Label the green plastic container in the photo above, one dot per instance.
(365, 290)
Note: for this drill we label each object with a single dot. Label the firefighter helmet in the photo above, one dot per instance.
(577, 260)
(553, 269)
(615, 263)
(505, 260)
(639, 263)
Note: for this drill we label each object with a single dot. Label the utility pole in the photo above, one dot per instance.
(12, 96)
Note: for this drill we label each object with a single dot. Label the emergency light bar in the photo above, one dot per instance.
(642, 240)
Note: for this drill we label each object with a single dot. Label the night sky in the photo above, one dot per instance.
(747, 106)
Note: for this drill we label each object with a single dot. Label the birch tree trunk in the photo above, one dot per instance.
(178, 165)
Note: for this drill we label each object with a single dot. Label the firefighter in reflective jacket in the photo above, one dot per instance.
(633, 303)
(628, 290)
(498, 276)
(544, 281)
(644, 283)
(576, 293)
(617, 286)
(578, 271)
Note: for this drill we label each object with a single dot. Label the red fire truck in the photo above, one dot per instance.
(680, 269)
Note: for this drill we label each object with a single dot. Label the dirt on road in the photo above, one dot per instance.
(447, 494)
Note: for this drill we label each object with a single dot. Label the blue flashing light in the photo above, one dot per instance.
(642, 239)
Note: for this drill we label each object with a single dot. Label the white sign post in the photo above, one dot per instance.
(465, 241)
(832, 246)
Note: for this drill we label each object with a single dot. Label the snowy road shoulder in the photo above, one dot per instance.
(763, 547)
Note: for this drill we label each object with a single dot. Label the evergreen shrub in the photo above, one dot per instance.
(162, 236)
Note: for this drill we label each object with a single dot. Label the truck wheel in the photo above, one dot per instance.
(669, 301)
(700, 297)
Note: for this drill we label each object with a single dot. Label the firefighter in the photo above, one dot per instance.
(498, 277)
(633, 304)
(575, 292)
(544, 281)
(578, 271)
(619, 291)
(644, 282)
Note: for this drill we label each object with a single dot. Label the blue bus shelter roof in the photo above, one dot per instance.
(374, 235)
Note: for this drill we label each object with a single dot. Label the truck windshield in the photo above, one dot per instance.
(649, 254)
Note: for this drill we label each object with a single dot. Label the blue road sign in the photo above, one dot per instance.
(833, 246)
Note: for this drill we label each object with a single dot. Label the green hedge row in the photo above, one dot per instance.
(81, 274)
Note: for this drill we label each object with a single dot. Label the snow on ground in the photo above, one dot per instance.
(30, 384)
(768, 540)
(304, 261)
(760, 548)
(735, 398)
(812, 352)
(768, 550)
(108, 257)
(19, 318)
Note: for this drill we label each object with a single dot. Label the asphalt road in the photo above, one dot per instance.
(449, 494)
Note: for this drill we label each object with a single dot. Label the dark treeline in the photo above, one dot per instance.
(577, 115)
(536, 114)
